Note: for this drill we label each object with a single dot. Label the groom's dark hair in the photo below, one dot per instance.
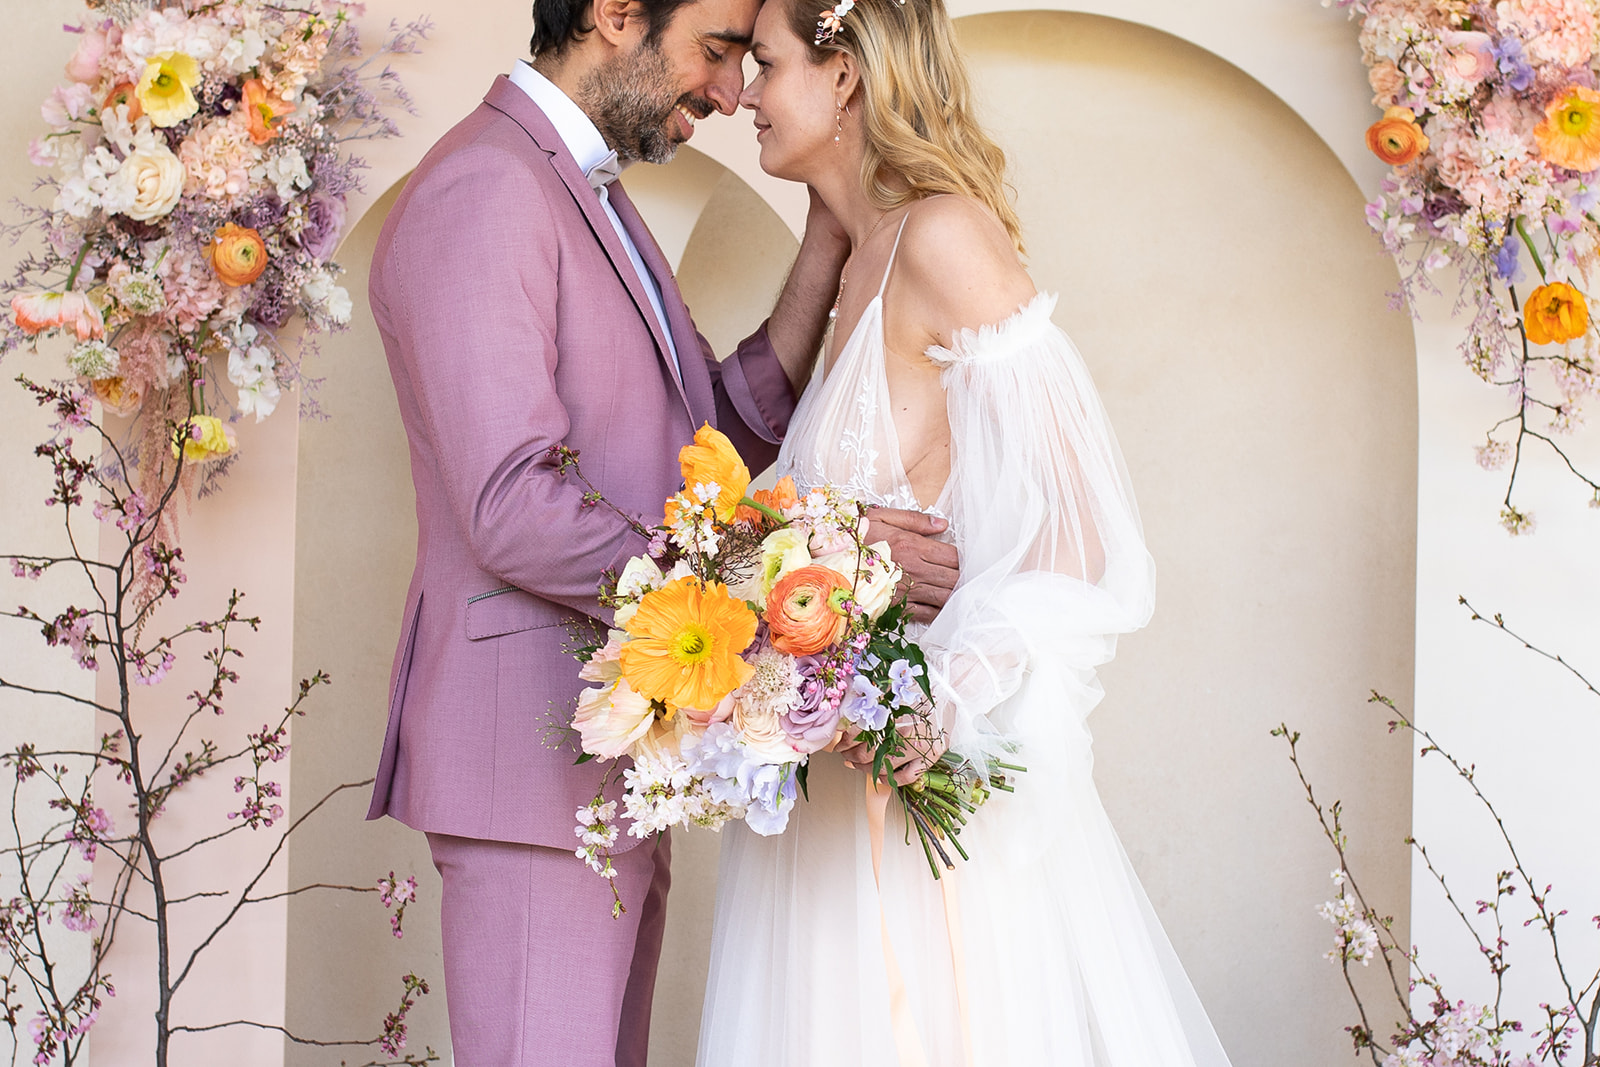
(557, 24)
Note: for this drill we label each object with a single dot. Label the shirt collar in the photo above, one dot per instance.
(576, 130)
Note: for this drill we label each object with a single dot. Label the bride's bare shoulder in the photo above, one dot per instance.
(959, 268)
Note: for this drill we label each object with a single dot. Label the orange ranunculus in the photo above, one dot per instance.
(124, 93)
(686, 641)
(266, 111)
(1396, 138)
(237, 254)
(36, 312)
(1569, 136)
(779, 497)
(1554, 314)
(712, 460)
(800, 610)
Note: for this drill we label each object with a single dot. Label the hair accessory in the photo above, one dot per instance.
(832, 20)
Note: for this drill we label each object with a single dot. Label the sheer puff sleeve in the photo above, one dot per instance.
(1053, 560)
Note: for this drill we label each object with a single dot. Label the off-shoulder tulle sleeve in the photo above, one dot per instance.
(1053, 560)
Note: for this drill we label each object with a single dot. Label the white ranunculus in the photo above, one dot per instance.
(875, 577)
(783, 550)
(153, 180)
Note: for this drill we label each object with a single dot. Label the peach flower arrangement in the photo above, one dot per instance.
(197, 174)
(1491, 128)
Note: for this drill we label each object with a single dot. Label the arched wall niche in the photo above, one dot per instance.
(1266, 401)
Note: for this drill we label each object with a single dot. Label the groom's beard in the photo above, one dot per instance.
(631, 100)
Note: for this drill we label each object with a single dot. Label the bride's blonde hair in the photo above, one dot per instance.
(916, 104)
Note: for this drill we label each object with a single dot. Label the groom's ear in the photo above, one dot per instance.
(612, 20)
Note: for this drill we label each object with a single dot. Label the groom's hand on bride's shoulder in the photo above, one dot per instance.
(931, 567)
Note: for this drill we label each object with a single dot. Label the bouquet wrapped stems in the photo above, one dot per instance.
(937, 803)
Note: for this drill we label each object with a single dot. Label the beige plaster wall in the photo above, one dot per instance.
(1266, 402)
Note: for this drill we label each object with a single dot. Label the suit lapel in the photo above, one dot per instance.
(511, 101)
(693, 378)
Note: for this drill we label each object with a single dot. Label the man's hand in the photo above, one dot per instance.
(931, 567)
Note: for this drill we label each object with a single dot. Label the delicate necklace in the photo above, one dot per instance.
(844, 272)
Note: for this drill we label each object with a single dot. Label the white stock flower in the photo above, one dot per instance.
(325, 299)
(287, 171)
(92, 185)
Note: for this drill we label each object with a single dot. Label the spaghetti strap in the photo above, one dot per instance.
(890, 265)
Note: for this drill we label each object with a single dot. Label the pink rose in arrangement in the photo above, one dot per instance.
(1469, 55)
(84, 66)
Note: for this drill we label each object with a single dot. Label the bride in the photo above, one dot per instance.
(946, 387)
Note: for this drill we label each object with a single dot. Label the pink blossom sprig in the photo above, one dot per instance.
(397, 894)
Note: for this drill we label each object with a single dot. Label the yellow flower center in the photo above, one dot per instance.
(1576, 118)
(691, 645)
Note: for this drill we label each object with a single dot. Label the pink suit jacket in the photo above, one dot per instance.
(513, 321)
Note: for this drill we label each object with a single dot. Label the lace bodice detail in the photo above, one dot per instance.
(842, 433)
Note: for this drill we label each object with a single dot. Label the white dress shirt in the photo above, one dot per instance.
(583, 140)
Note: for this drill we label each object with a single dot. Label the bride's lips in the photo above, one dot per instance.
(761, 128)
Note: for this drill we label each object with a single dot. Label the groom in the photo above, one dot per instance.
(523, 304)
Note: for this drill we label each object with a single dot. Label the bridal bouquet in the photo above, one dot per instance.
(1492, 128)
(199, 176)
(756, 632)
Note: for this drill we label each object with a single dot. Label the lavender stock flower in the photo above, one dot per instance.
(1507, 260)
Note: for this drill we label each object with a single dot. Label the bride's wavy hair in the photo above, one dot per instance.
(916, 104)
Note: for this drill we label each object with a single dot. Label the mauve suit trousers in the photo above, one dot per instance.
(535, 967)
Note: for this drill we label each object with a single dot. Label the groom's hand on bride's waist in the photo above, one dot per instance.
(931, 567)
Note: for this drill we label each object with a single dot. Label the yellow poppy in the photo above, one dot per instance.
(166, 88)
(686, 641)
(712, 460)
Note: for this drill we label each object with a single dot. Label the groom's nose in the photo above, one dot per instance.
(724, 90)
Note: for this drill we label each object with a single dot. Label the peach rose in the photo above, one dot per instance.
(117, 395)
(800, 612)
(237, 254)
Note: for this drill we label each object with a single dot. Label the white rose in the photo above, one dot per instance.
(783, 551)
(153, 180)
(875, 577)
(762, 734)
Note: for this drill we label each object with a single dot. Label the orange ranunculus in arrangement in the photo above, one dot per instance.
(780, 496)
(802, 610)
(1396, 138)
(124, 93)
(1554, 314)
(712, 460)
(237, 254)
(1569, 136)
(686, 640)
(265, 111)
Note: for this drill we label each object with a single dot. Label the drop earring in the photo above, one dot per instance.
(838, 122)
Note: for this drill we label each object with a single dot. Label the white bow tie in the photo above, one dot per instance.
(604, 172)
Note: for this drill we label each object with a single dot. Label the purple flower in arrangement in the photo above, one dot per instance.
(1441, 207)
(324, 221)
(771, 789)
(812, 725)
(262, 212)
(274, 305)
(1513, 64)
(903, 683)
(863, 705)
(1508, 260)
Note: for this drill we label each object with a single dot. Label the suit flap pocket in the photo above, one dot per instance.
(507, 611)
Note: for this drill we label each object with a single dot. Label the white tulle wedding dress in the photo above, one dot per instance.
(1043, 949)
